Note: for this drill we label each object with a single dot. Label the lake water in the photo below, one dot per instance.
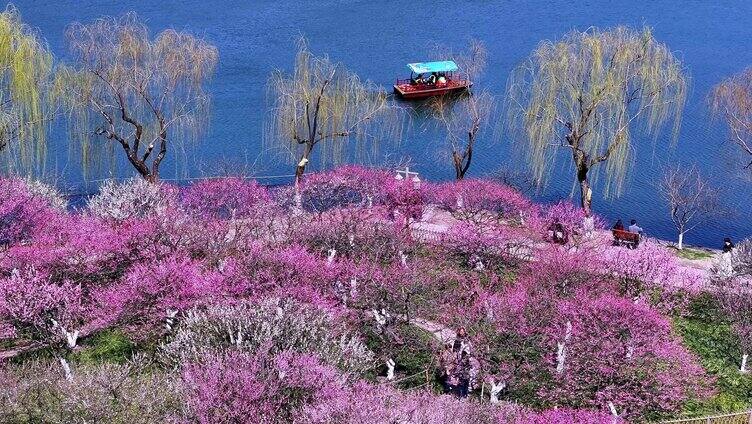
(377, 38)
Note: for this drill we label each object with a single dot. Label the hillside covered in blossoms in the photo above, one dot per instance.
(338, 303)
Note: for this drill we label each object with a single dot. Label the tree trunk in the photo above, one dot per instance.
(162, 153)
(300, 168)
(681, 241)
(457, 160)
(743, 368)
(586, 200)
(462, 163)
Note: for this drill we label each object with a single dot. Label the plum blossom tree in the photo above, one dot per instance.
(149, 291)
(226, 198)
(22, 213)
(271, 388)
(34, 308)
(273, 325)
(613, 341)
(482, 202)
(131, 392)
(737, 305)
(130, 199)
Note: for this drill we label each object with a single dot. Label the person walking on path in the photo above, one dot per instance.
(450, 368)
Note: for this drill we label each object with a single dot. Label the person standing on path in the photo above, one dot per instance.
(728, 245)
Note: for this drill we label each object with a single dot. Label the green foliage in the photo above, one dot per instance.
(107, 346)
(412, 349)
(691, 254)
(705, 333)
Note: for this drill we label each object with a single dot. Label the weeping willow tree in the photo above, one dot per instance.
(731, 99)
(323, 104)
(463, 118)
(25, 74)
(139, 93)
(591, 93)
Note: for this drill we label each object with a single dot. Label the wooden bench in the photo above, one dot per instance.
(626, 238)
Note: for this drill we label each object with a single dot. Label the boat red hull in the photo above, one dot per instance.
(409, 91)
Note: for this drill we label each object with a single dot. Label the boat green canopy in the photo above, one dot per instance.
(425, 67)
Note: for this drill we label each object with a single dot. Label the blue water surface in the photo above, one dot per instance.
(377, 38)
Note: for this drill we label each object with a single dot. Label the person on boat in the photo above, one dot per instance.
(432, 78)
(728, 245)
(442, 79)
(618, 226)
(634, 228)
(418, 79)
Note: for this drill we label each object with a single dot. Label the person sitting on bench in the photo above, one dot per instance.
(618, 226)
(634, 228)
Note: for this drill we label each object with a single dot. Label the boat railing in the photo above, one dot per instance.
(457, 80)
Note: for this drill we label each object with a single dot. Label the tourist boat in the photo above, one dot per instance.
(431, 79)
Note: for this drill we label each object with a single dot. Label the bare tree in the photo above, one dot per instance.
(691, 199)
(322, 103)
(587, 93)
(25, 76)
(464, 117)
(141, 93)
(732, 100)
